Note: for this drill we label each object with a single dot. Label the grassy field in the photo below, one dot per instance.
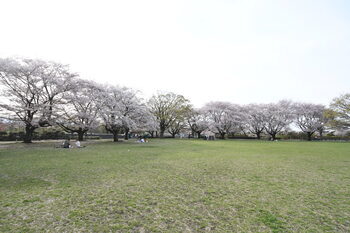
(176, 186)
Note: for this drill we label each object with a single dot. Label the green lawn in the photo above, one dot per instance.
(176, 186)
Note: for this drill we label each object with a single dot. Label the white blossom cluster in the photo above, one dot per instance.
(42, 94)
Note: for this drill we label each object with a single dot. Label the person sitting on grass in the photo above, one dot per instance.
(66, 143)
(77, 143)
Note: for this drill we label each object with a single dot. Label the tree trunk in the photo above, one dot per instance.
(115, 136)
(152, 134)
(273, 137)
(320, 131)
(161, 135)
(309, 134)
(222, 135)
(126, 136)
(173, 135)
(258, 135)
(81, 135)
(28, 134)
(199, 134)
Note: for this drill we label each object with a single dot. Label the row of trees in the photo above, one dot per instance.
(43, 94)
(173, 112)
(257, 119)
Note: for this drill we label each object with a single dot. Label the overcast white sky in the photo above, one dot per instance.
(240, 51)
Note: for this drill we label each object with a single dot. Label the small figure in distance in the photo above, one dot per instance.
(77, 143)
(140, 139)
(66, 143)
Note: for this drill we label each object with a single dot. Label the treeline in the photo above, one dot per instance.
(41, 94)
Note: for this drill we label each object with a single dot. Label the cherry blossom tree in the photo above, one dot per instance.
(123, 111)
(78, 112)
(277, 117)
(197, 121)
(151, 125)
(133, 111)
(56, 81)
(224, 117)
(309, 117)
(31, 89)
(254, 119)
(177, 126)
(110, 110)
